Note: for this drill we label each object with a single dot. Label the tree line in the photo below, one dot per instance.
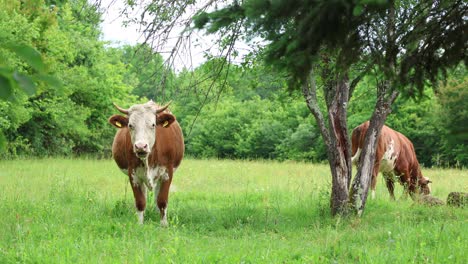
(226, 110)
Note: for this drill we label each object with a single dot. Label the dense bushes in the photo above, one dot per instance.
(66, 119)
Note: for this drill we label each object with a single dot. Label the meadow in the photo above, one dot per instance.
(220, 211)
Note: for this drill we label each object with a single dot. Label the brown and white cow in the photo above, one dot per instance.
(395, 156)
(148, 147)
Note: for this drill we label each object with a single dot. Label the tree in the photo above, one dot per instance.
(406, 44)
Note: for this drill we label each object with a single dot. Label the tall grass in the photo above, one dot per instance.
(81, 211)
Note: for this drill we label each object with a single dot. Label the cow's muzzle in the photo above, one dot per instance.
(141, 150)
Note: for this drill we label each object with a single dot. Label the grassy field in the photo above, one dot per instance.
(81, 211)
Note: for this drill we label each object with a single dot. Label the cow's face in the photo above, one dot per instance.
(424, 187)
(141, 122)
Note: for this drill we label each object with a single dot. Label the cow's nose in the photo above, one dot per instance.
(141, 146)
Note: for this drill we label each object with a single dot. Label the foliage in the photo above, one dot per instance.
(428, 38)
(71, 119)
(453, 117)
(153, 81)
(294, 37)
(21, 66)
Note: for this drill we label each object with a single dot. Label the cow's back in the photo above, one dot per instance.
(387, 140)
(357, 140)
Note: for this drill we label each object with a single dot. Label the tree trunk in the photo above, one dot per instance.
(360, 187)
(335, 137)
(339, 148)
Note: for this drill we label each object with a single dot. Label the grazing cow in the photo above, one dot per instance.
(148, 147)
(395, 156)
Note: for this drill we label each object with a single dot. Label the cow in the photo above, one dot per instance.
(395, 156)
(148, 147)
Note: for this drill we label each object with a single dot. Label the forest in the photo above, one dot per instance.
(227, 110)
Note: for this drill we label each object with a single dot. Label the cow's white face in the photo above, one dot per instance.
(142, 121)
(142, 127)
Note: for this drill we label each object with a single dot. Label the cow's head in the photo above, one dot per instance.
(424, 187)
(141, 121)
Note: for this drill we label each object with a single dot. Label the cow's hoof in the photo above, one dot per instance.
(164, 223)
(140, 217)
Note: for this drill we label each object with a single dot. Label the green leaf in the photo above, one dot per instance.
(30, 55)
(49, 80)
(358, 10)
(6, 87)
(25, 82)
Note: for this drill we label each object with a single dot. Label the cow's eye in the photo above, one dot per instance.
(153, 125)
(130, 126)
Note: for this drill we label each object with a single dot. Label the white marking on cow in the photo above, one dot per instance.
(149, 179)
(141, 216)
(355, 158)
(158, 173)
(164, 219)
(387, 163)
(138, 176)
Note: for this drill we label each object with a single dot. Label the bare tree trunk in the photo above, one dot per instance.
(360, 187)
(335, 137)
(339, 148)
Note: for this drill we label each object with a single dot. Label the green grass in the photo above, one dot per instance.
(81, 211)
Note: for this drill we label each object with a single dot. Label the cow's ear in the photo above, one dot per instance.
(165, 119)
(118, 121)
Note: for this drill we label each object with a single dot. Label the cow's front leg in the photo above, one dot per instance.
(406, 182)
(163, 196)
(412, 188)
(139, 193)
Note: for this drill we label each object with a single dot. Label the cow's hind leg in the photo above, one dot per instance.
(163, 196)
(375, 173)
(390, 184)
(139, 192)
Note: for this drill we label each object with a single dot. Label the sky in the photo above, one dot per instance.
(118, 34)
(112, 26)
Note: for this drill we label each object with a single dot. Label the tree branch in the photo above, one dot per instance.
(309, 91)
